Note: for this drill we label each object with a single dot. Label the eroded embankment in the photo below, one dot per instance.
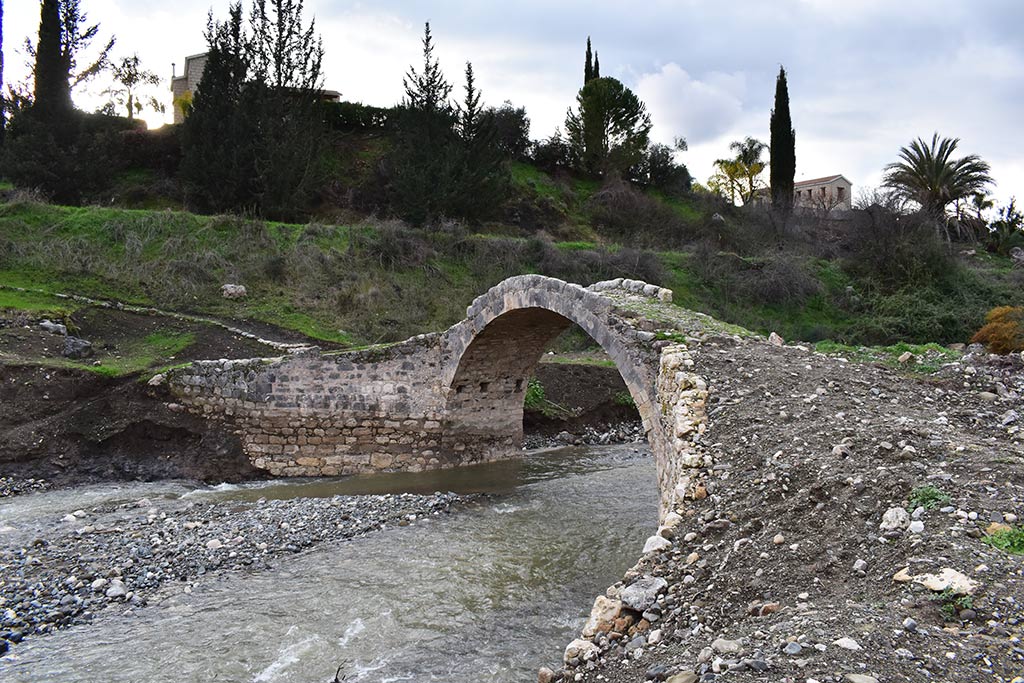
(837, 490)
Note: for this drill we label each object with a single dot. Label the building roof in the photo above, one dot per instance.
(821, 181)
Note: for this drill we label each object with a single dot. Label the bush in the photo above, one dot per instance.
(1003, 331)
(898, 250)
(621, 212)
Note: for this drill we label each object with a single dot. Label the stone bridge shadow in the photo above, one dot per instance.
(456, 398)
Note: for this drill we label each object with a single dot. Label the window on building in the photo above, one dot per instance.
(839, 193)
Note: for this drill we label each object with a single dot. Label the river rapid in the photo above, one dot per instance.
(489, 593)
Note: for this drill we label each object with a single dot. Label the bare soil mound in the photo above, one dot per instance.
(846, 532)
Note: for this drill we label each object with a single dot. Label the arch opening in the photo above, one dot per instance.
(503, 355)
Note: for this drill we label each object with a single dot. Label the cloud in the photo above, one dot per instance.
(681, 105)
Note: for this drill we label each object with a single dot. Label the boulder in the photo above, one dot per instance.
(582, 649)
(233, 291)
(76, 348)
(895, 519)
(54, 328)
(642, 593)
(602, 614)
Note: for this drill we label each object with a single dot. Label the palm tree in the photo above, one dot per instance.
(745, 166)
(981, 202)
(929, 175)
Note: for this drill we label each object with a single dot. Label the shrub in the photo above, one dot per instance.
(927, 497)
(898, 250)
(621, 212)
(1009, 540)
(1003, 331)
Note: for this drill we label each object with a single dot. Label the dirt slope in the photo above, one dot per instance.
(783, 572)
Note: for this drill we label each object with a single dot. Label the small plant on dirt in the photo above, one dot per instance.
(1008, 540)
(534, 395)
(927, 497)
(950, 603)
(624, 398)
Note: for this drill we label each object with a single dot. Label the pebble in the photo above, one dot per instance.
(793, 648)
(779, 539)
(909, 624)
(847, 643)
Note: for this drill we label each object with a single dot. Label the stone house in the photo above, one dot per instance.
(828, 193)
(183, 87)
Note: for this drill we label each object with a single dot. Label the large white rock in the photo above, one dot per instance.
(656, 542)
(605, 610)
(233, 291)
(895, 519)
(584, 649)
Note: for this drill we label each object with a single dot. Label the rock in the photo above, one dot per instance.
(643, 593)
(847, 643)
(545, 675)
(1009, 417)
(905, 357)
(779, 539)
(117, 589)
(654, 637)
(916, 527)
(909, 624)
(76, 348)
(842, 450)
(775, 340)
(579, 648)
(947, 579)
(98, 584)
(997, 527)
(656, 542)
(860, 678)
(683, 677)
(894, 519)
(603, 613)
(860, 566)
(157, 379)
(727, 647)
(54, 328)
(793, 648)
(988, 396)
(214, 544)
(658, 672)
(233, 291)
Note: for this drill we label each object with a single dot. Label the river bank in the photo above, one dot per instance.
(62, 567)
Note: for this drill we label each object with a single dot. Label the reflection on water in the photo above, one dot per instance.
(487, 594)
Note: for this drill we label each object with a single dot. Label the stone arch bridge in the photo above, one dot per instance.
(456, 397)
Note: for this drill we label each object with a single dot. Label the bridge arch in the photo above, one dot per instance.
(489, 357)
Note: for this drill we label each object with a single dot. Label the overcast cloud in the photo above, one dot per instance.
(865, 77)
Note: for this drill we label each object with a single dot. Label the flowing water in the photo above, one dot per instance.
(489, 593)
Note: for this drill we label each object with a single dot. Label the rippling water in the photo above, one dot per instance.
(487, 594)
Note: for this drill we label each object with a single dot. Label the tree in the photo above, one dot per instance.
(255, 135)
(610, 129)
(783, 147)
(64, 35)
(596, 73)
(446, 161)
(588, 66)
(427, 90)
(52, 90)
(929, 176)
(129, 77)
(511, 130)
(469, 113)
(741, 174)
(3, 98)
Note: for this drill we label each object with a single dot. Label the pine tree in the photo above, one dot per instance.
(588, 67)
(783, 147)
(427, 90)
(52, 91)
(469, 112)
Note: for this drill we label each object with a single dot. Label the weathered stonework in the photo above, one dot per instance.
(455, 398)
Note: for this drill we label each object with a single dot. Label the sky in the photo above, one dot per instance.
(865, 76)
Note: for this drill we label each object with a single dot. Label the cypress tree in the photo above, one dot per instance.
(3, 100)
(596, 73)
(52, 92)
(783, 147)
(588, 68)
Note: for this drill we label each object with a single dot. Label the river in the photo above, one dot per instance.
(487, 594)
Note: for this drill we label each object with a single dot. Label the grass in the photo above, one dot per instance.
(928, 358)
(1008, 540)
(952, 603)
(927, 497)
(36, 303)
